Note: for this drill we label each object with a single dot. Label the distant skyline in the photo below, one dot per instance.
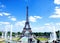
(43, 15)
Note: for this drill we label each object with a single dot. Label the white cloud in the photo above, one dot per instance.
(20, 23)
(4, 23)
(2, 6)
(13, 19)
(53, 26)
(6, 14)
(9, 16)
(57, 2)
(57, 23)
(54, 16)
(38, 29)
(34, 18)
(47, 24)
(38, 17)
(44, 28)
(56, 13)
(1, 14)
(57, 10)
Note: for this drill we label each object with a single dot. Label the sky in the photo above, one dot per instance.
(44, 15)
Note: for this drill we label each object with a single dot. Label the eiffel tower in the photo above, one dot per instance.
(27, 25)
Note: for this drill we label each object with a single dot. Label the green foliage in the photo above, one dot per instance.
(42, 34)
(18, 33)
(13, 33)
(42, 39)
(8, 33)
(0, 33)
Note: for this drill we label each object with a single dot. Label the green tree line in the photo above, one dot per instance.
(35, 33)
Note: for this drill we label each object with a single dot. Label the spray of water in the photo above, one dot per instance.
(53, 34)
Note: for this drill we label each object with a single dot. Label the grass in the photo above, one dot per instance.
(15, 39)
(42, 39)
(2, 40)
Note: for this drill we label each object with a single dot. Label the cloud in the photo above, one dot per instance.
(1, 14)
(34, 18)
(8, 15)
(45, 28)
(53, 26)
(13, 19)
(4, 23)
(56, 13)
(38, 29)
(18, 26)
(2, 6)
(57, 23)
(20, 23)
(4, 14)
(57, 2)
(38, 17)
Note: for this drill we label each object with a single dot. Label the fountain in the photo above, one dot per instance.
(2, 34)
(53, 36)
(8, 39)
(11, 34)
(5, 33)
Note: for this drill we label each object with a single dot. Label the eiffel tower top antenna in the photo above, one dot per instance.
(27, 20)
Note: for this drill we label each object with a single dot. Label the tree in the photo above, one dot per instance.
(18, 33)
(13, 33)
(0, 33)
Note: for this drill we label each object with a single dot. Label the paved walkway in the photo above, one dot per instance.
(1, 39)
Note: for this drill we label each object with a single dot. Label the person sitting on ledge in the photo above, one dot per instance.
(54, 41)
(8, 42)
(38, 41)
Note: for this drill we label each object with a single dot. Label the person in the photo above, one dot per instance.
(54, 41)
(30, 40)
(8, 42)
(38, 41)
(47, 42)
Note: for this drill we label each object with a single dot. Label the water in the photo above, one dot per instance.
(24, 40)
(28, 40)
(53, 35)
(12, 41)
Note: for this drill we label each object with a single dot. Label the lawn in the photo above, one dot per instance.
(2, 42)
(42, 39)
(15, 39)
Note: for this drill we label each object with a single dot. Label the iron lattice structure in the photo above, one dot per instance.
(27, 25)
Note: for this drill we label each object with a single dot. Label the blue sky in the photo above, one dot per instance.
(43, 14)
